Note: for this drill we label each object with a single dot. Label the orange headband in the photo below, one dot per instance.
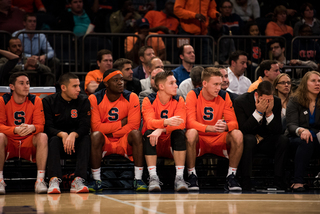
(112, 75)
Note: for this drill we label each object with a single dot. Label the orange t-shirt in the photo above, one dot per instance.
(255, 85)
(159, 18)
(202, 112)
(154, 112)
(94, 75)
(106, 116)
(13, 115)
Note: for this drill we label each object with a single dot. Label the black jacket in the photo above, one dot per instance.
(244, 106)
(61, 115)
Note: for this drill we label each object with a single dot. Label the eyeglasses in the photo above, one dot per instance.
(284, 82)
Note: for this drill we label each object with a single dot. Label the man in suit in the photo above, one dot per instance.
(259, 117)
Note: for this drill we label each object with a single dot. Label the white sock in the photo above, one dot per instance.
(138, 172)
(96, 174)
(152, 170)
(192, 170)
(179, 170)
(232, 170)
(1, 174)
(41, 174)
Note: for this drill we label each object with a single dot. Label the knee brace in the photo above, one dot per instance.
(178, 140)
(147, 148)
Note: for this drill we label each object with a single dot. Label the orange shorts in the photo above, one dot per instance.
(164, 148)
(213, 144)
(21, 148)
(118, 146)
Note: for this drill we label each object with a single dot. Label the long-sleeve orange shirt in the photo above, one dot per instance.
(154, 112)
(95, 75)
(202, 112)
(13, 115)
(186, 10)
(106, 116)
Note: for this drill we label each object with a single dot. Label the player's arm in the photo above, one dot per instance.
(180, 111)
(133, 119)
(229, 114)
(4, 128)
(149, 116)
(49, 127)
(96, 124)
(84, 119)
(191, 109)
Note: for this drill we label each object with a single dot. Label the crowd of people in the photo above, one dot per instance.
(148, 111)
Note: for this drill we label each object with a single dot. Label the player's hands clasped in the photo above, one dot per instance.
(173, 121)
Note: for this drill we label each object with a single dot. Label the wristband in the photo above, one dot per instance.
(259, 112)
(269, 115)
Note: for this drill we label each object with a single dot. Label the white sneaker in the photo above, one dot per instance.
(154, 184)
(77, 186)
(2, 187)
(54, 186)
(40, 186)
(180, 185)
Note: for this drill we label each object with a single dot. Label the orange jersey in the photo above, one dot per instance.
(94, 75)
(154, 113)
(201, 112)
(13, 115)
(106, 116)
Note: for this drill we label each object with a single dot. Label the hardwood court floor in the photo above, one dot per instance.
(113, 202)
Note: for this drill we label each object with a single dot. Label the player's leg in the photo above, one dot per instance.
(97, 143)
(55, 147)
(40, 141)
(135, 140)
(192, 140)
(234, 140)
(151, 159)
(178, 144)
(82, 151)
(3, 144)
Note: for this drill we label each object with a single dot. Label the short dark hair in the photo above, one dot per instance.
(13, 77)
(234, 56)
(304, 7)
(161, 76)
(265, 87)
(222, 2)
(266, 65)
(101, 53)
(195, 75)
(143, 49)
(209, 72)
(280, 41)
(181, 49)
(29, 15)
(119, 63)
(13, 38)
(65, 78)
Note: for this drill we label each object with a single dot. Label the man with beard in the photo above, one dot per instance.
(115, 120)
(186, 53)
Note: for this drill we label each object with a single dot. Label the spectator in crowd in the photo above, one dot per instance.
(308, 18)
(278, 26)
(123, 20)
(303, 125)
(164, 117)
(154, 63)
(164, 21)
(95, 77)
(282, 89)
(248, 10)
(21, 124)
(145, 54)
(37, 44)
(28, 5)
(232, 21)
(187, 56)
(75, 19)
(11, 18)
(268, 70)
(259, 117)
(115, 121)
(194, 20)
(6, 67)
(304, 48)
(212, 128)
(153, 88)
(191, 83)
(31, 63)
(132, 44)
(225, 82)
(67, 115)
(239, 83)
